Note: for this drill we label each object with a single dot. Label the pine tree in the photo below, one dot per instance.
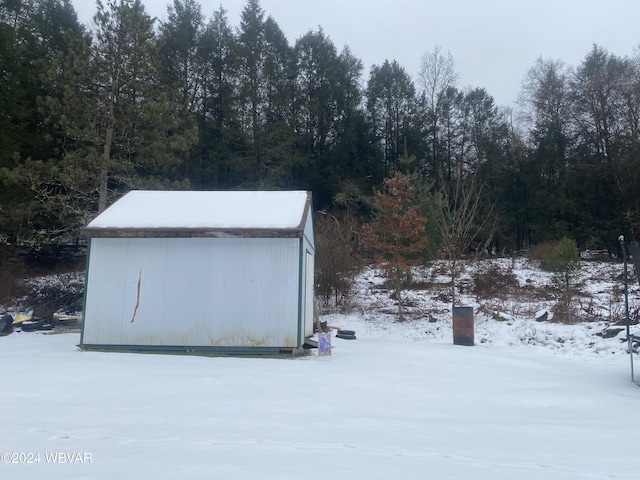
(178, 46)
(218, 114)
(124, 128)
(251, 53)
(391, 106)
(32, 36)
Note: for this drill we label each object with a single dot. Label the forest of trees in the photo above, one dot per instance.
(88, 112)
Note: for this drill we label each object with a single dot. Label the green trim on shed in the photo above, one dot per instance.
(191, 350)
(84, 293)
(300, 292)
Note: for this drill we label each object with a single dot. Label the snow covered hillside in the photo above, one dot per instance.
(531, 400)
(507, 295)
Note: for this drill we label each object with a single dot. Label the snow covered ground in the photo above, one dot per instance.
(531, 400)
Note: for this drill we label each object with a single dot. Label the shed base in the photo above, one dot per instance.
(194, 350)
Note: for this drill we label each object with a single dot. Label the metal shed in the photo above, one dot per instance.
(202, 272)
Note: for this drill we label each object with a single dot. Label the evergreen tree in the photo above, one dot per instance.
(599, 104)
(252, 58)
(391, 108)
(222, 143)
(352, 169)
(548, 180)
(32, 35)
(124, 127)
(279, 160)
(178, 43)
(316, 109)
(487, 156)
(181, 68)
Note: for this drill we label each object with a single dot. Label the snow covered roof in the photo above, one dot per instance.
(187, 213)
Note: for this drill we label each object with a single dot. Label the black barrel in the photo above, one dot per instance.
(463, 326)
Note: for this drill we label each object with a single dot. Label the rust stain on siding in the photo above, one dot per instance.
(135, 310)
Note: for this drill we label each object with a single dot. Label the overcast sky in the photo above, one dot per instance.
(493, 42)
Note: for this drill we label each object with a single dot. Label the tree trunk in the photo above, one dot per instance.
(399, 297)
(453, 266)
(103, 189)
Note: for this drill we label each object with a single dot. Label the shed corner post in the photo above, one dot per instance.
(84, 294)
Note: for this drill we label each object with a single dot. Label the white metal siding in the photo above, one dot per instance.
(238, 292)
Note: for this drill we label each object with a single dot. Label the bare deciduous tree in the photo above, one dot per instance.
(463, 217)
(337, 238)
(437, 78)
(437, 73)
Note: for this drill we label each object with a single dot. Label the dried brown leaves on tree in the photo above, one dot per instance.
(397, 235)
